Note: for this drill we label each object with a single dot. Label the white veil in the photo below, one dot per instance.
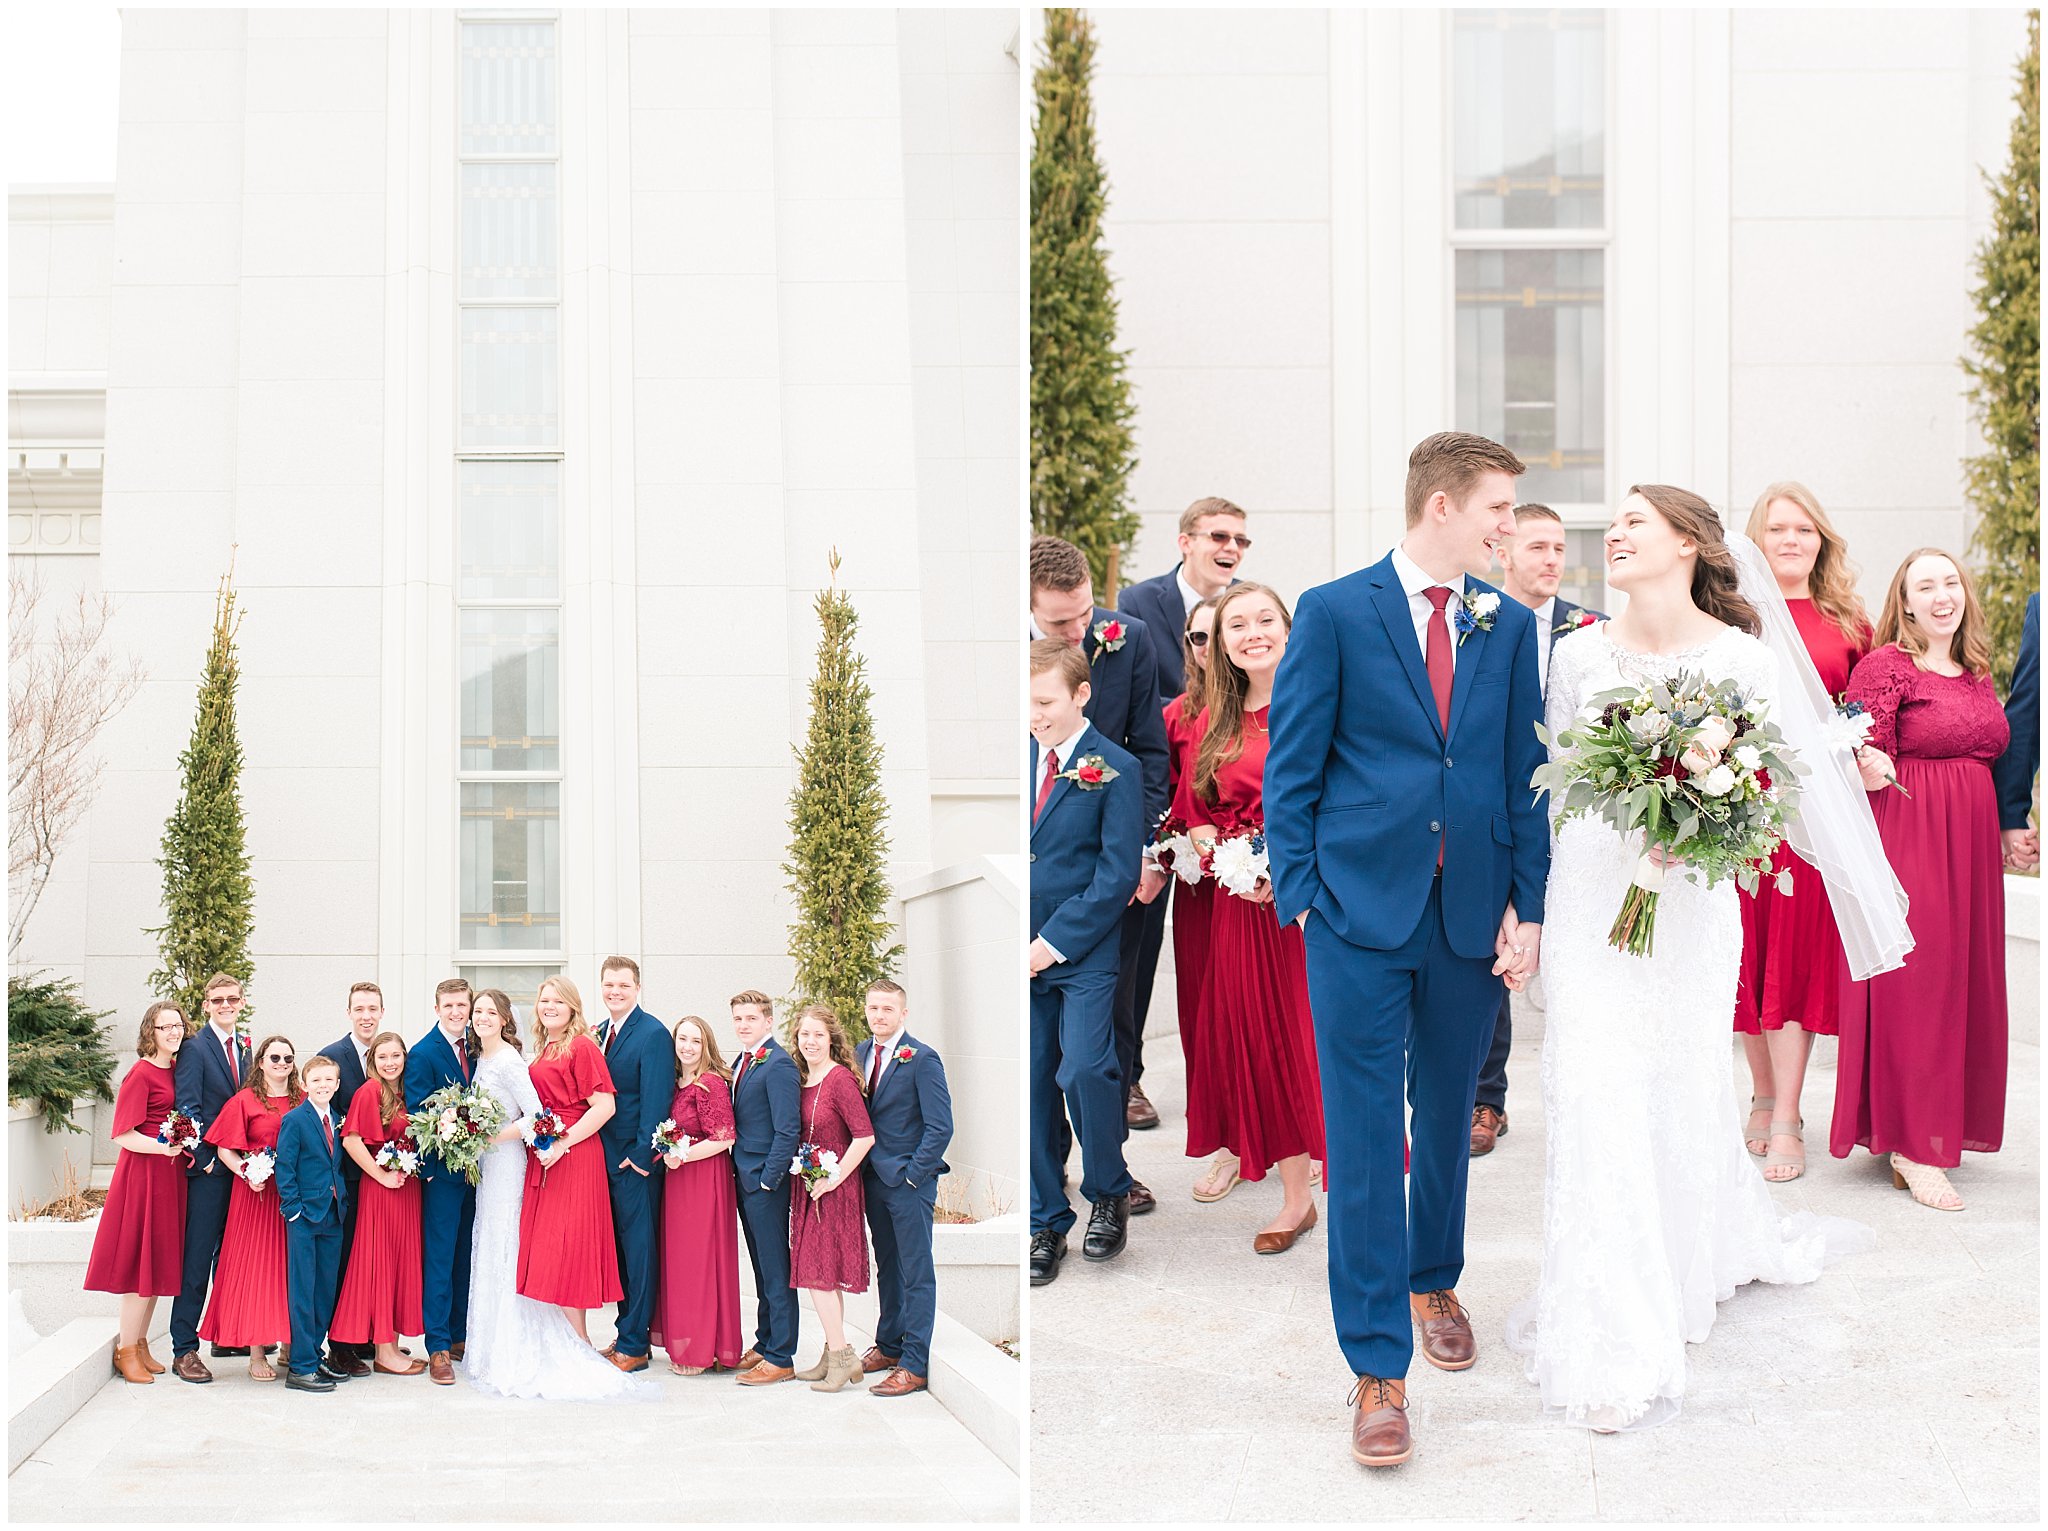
(1833, 828)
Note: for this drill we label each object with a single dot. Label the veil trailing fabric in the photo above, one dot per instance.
(1833, 829)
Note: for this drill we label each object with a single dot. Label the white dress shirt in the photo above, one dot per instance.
(1190, 597)
(1546, 619)
(888, 1059)
(1413, 582)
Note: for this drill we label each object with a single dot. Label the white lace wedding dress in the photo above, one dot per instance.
(1653, 1212)
(517, 1347)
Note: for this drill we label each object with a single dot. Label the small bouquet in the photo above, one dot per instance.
(259, 1167)
(669, 1138)
(180, 1132)
(814, 1164)
(1695, 767)
(1240, 863)
(541, 1131)
(402, 1153)
(1849, 729)
(1172, 851)
(461, 1121)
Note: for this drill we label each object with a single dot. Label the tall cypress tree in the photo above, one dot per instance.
(208, 897)
(2004, 366)
(1082, 451)
(837, 846)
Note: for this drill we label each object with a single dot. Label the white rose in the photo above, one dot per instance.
(1717, 782)
(1748, 756)
(1485, 605)
(1715, 734)
(1698, 761)
(1646, 726)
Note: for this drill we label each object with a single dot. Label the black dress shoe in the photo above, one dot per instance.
(337, 1369)
(230, 1350)
(1142, 1200)
(1048, 1248)
(1108, 1223)
(315, 1383)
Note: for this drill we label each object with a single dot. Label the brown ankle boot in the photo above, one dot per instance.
(156, 1367)
(128, 1362)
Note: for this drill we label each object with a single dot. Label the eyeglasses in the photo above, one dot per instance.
(1225, 539)
(1197, 639)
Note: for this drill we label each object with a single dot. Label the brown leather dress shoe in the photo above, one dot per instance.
(1379, 1423)
(898, 1383)
(1141, 1200)
(1488, 1123)
(626, 1363)
(1139, 1113)
(875, 1361)
(750, 1359)
(189, 1368)
(412, 1368)
(454, 1351)
(764, 1372)
(1280, 1243)
(150, 1363)
(441, 1368)
(1447, 1342)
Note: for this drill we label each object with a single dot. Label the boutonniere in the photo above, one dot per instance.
(1109, 636)
(759, 1054)
(1475, 614)
(1090, 773)
(1574, 622)
(903, 1054)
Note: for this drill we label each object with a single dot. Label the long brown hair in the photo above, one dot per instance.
(1223, 692)
(1971, 645)
(390, 1092)
(712, 1062)
(510, 1029)
(294, 1092)
(1194, 675)
(577, 1027)
(1832, 583)
(1713, 571)
(145, 1041)
(841, 1049)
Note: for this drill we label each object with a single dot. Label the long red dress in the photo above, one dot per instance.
(697, 1301)
(139, 1246)
(1192, 904)
(380, 1294)
(248, 1305)
(1792, 965)
(1255, 1032)
(828, 1239)
(1921, 1069)
(567, 1254)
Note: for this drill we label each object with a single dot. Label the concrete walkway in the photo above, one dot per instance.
(1190, 1379)
(401, 1449)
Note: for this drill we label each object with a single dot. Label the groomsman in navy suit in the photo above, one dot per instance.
(1087, 829)
(2013, 772)
(642, 1059)
(314, 1197)
(1532, 562)
(766, 1105)
(351, 1056)
(1123, 688)
(447, 1199)
(210, 1069)
(1213, 544)
(912, 1114)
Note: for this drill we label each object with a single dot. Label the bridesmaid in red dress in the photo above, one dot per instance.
(567, 1255)
(1923, 1051)
(697, 1302)
(1790, 982)
(248, 1305)
(138, 1250)
(828, 1247)
(1255, 1030)
(380, 1295)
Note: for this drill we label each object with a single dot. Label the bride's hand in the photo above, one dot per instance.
(1660, 857)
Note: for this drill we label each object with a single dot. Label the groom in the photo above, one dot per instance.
(642, 1060)
(1403, 835)
(447, 1199)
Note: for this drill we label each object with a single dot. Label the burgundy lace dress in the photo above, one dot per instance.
(1921, 1070)
(828, 1245)
(697, 1303)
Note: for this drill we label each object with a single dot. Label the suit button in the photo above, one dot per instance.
(1435, 828)
(1447, 762)
(1034, 855)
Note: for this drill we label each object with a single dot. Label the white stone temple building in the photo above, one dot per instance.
(529, 366)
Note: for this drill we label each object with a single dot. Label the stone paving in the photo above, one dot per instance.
(1192, 1380)
(400, 1449)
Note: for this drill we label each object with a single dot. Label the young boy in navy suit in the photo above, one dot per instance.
(1087, 831)
(314, 1198)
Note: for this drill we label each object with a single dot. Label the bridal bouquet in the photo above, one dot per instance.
(259, 1167)
(669, 1138)
(1696, 767)
(1240, 863)
(401, 1154)
(461, 1121)
(814, 1163)
(179, 1131)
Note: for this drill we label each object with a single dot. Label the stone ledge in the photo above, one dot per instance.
(52, 1379)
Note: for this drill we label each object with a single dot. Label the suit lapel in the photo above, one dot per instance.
(1061, 786)
(1392, 603)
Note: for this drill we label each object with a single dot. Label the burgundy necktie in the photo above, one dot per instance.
(1052, 771)
(234, 1061)
(462, 1061)
(328, 1128)
(875, 1073)
(1436, 654)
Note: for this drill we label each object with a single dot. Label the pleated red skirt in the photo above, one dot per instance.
(380, 1295)
(567, 1255)
(249, 1301)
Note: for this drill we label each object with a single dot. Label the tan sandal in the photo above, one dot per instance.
(1775, 1160)
(1928, 1184)
(1209, 1178)
(260, 1369)
(1766, 1104)
(687, 1371)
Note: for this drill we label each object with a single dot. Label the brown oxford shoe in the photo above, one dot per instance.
(763, 1373)
(748, 1361)
(1139, 1113)
(189, 1368)
(875, 1361)
(1488, 1123)
(897, 1384)
(454, 1351)
(626, 1363)
(1141, 1200)
(1447, 1342)
(441, 1368)
(1379, 1422)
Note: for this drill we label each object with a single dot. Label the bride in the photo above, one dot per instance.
(1652, 1213)
(518, 1347)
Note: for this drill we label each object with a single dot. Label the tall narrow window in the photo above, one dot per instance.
(1529, 250)
(508, 476)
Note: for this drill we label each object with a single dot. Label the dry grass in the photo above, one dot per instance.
(73, 1203)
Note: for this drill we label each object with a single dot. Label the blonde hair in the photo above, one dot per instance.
(577, 1027)
(1971, 645)
(1833, 581)
(1201, 510)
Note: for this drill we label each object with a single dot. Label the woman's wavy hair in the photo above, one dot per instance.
(294, 1091)
(712, 1062)
(145, 1041)
(577, 1027)
(1713, 572)
(1971, 645)
(841, 1046)
(1224, 689)
(1193, 671)
(510, 1030)
(390, 1092)
(1833, 581)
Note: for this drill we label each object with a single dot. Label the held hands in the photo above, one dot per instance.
(1517, 949)
(1041, 957)
(2022, 848)
(1875, 767)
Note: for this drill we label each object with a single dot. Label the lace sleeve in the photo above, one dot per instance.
(519, 1085)
(1881, 681)
(1567, 669)
(1755, 668)
(714, 1111)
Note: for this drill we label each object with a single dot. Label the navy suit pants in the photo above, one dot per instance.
(907, 1286)
(1493, 1074)
(447, 1214)
(1074, 1064)
(206, 1218)
(312, 1278)
(636, 1207)
(764, 1218)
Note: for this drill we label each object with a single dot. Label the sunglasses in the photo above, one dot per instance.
(276, 1058)
(1197, 639)
(1225, 539)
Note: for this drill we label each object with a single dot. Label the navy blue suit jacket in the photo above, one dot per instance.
(642, 1060)
(2013, 772)
(204, 1086)
(1123, 702)
(352, 1078)
(767, 1107)
(1362, 781)
(1084, 856)
(309, 1177)
(430, 1065)
(912, 1113)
